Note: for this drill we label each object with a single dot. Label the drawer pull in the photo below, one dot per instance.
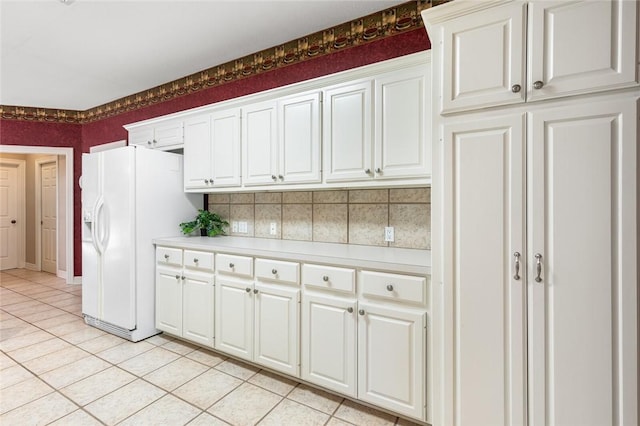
(274, 271)
(390, 287)
(166, 257)
(195, 260)
(361, 311)
(325, 278)
(248, 290)
(231, 265)
(538, 257)
(350, 310)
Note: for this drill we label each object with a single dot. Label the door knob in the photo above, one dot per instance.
(13, 221)
(274, 271)
(390, 287)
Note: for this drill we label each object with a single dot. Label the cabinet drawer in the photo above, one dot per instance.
(329, 278)
(278, 270)
(169, 256)
(198, 260)
(235, 265)
(403, 288)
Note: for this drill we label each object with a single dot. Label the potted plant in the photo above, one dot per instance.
(208, 222)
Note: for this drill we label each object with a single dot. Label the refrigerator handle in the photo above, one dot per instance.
(96, 225)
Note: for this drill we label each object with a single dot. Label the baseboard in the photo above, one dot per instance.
(31, 266)
(61, 274)
(77, 280)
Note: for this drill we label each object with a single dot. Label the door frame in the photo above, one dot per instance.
(38, 207)
(21, 166)
(68, 184)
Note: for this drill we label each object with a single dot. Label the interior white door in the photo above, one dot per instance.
(8, 216)
(48, 216)
(582, 202)
(484, 223)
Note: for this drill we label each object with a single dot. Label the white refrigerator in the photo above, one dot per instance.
(130, 195)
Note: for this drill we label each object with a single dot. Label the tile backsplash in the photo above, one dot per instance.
(356, 216)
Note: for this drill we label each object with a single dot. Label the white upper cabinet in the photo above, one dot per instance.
(281, 141)
(159, 136)
(212, 150)
(573, 48)
(378, 128)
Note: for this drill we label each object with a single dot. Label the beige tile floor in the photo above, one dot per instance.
(56, 370)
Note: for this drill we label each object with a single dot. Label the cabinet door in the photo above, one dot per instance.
(225, 145)
(401, 112)
(328, 339)
(581, 46)
(277, 317)
(299, 125)
(234, 316)
(583, 339)
(168, 134)
(484, 305)
(260, 144)
(169, 300)
(392, 359)
(483, 60)
(197, 312)
(142, 136)
(347, 127)
(197, 152)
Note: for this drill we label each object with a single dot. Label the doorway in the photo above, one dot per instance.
(47, 210)
(64, 253)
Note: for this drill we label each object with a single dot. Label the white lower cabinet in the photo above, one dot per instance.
(184, 295)
(234, 316)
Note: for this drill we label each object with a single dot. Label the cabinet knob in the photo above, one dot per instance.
(538, 85)
(516, 88)
(166, 257)
(361, 311)
(367, 171)
(390, 287)
(378, 170)
(280, 177)
(206, 181)
(274, 271)
(183, 278)
(255, 291)
(325, 278)
(155, 141)
(211, 181)
(231, 265)
(148, 142)
(273, 177)
(350, 309)
(195, 260)
(177, 277)
(248, 290)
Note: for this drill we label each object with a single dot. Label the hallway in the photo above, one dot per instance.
(54, 369)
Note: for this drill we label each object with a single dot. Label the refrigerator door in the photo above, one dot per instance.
(115, 230)
(90, 256)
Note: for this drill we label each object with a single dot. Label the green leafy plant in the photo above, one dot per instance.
(208, 222)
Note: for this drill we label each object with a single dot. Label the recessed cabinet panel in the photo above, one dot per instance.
(260, 143)
(347, 132)
(483, 58)
(577, 47)
(234, 313)
(169, 300)
(168, 135)
(197, 308)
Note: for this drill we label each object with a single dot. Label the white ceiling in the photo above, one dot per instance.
(90, 52)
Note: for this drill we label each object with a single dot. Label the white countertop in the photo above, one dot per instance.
(411, 261)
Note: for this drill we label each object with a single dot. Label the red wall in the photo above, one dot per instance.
(82, 137)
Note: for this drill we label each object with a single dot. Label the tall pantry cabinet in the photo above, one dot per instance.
(535, 210)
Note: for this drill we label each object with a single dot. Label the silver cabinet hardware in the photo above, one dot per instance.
(538, 257)
(516, 88)
(325, 278)
(361, 311)
(255, 291)
(231, 265)
(516, 255)
(195, 260)
(350, 309)
(206, 181)
(280, 177)
(273, 177)
(538, 85)
(183, 278)
(166, 257)
(367, 171)
(155, 141)
(148, 142)
(378, 170)
(390, 287)
(248, 290)
(177, 277)
(211, 181)
(274, 271)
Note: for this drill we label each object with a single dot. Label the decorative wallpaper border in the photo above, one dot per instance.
(386, 23)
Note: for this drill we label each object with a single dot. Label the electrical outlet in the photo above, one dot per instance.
(273, 229)
(242, 227)
(234, 226)
(388, 234)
